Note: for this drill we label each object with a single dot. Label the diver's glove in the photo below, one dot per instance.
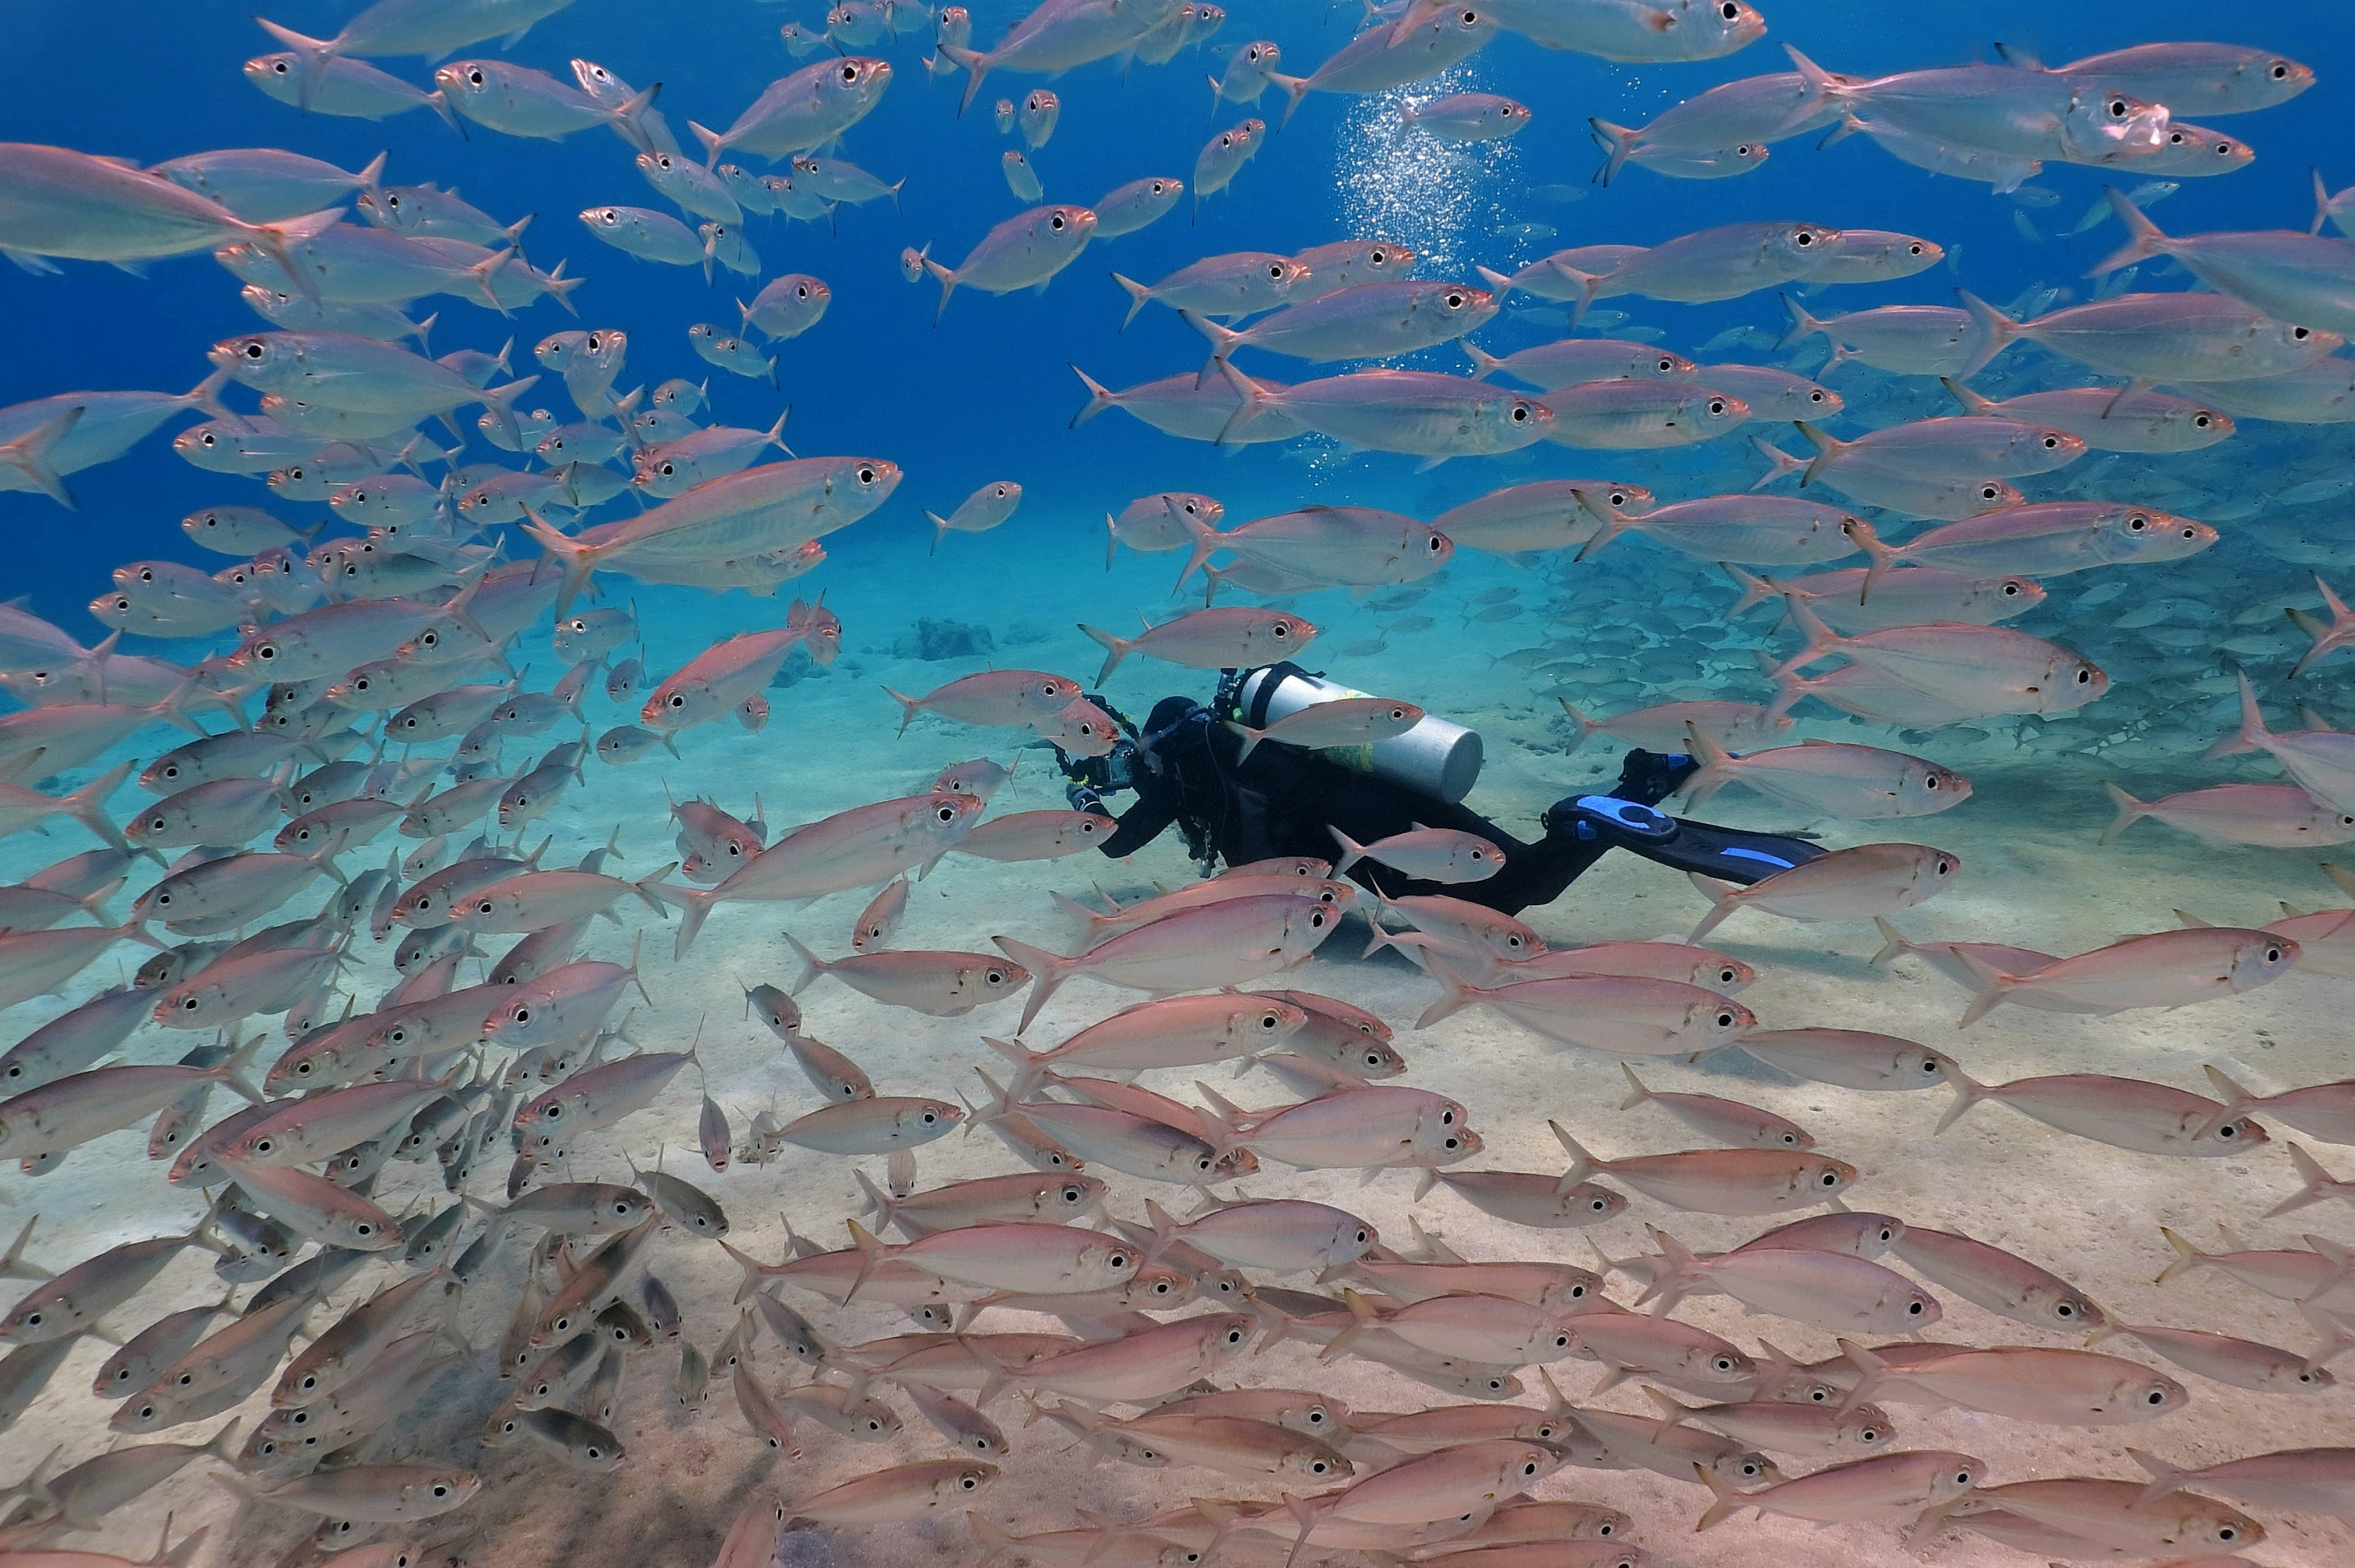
(1084, 797)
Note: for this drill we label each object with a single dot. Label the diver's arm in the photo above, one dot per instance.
(1141, 824)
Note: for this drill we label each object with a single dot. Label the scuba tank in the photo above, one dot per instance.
(1435, 758)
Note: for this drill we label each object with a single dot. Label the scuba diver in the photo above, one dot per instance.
(1284, 800)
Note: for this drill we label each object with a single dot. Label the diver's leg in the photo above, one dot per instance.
(1628, 819)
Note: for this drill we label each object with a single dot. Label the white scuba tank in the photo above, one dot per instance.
(1435, 758)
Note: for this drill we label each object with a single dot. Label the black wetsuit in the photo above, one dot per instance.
(1287, 801)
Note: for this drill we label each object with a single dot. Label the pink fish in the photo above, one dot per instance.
(1869, 878)
(1221, 943)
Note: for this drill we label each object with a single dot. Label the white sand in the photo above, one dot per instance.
(2033, 876)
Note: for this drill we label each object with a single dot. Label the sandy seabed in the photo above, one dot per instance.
(2033, 875)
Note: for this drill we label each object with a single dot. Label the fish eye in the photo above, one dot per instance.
(1815, 396)
(1717, 405)
(2299, 334)
(1520, 413)
(254, 351)
(1055, 222)
(1828, 1179)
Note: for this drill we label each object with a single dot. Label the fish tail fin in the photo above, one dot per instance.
(1497, 281)
(2235, 1096)
(180, 1556)
(1827, 450)
(880, 1205)
(1586, 727)
(1671, 1283)
(1381, 937)
(1821, 640)
(439, 101)
(713, 141)
(2252, 735)
(1820, 91)
(1165, 1231)
(754, 1270)
(1968, 1091)
(1485, 363)
(2342, 622)
(1589, 285)
(1030, 1072)
(1993, 985)
(1137, 294)
(1716, 771)
(2164, 1477)
(695, 905)
(1253, 400)
(1892, 942)
(1206, 543)
(1636, 1093)
(1781, 463)
(1608, 526)
(1802, 325)
(912, 705)
(28, 454)
(1116, 648)
(1351, 852)
(1582, 1164)
(1251, 738)
(2318, 1183)
(1362, 1317)
(1872, 1373)
(1989, 333)
(1087, 919)
(2130, 811)
(12, 1264)
(1223, 341)
(870, 1253)
(812, 965)
(233, 1071)
(311, 54)
(1457, 993)
(975, 66)
(2144, 240)
(1972, 402)
(1099, 399)
(576, 560)
(1882, 556)
(1756, 589)
(1725, 900)
(1051, 970)
(1294, 88)
(87, 805)
(1672, 1413)
(948, 282)
(995, 1541)
(1725, 1502)
(1616, 141)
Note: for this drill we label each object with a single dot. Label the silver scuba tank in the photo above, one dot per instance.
(1435, 758)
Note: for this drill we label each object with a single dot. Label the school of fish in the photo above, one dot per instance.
(361, 1036)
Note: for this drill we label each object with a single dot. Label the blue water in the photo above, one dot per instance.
(988, 393)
